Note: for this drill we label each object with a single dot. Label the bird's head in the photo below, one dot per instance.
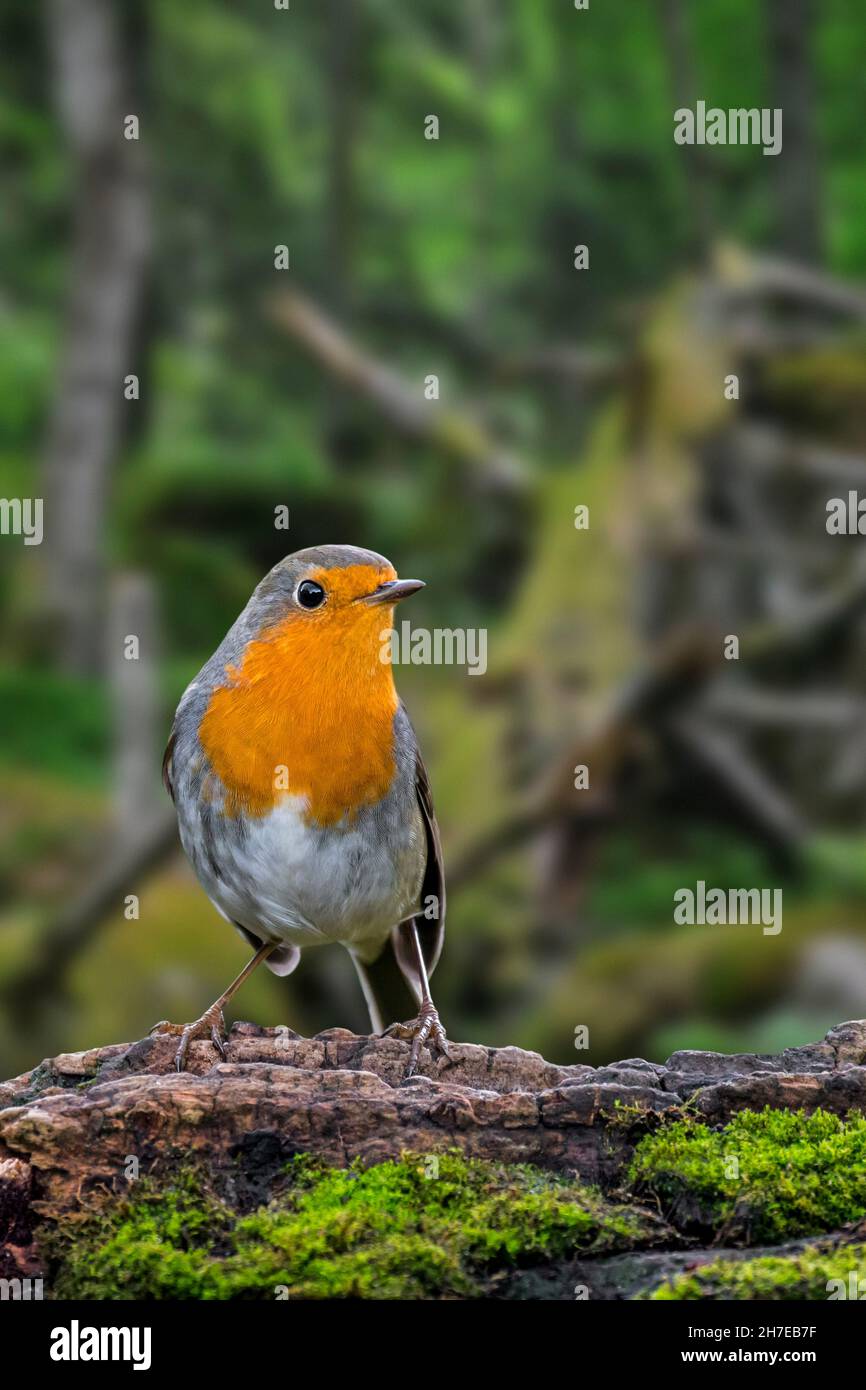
(330, 604)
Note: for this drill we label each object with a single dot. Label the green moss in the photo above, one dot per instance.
(425, 1226)
(768, 1175)
(806, 1275)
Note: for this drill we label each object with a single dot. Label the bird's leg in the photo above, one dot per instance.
(368, 992)
(426, 1028)
(211, 1024)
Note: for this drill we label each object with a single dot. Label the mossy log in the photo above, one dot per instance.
(571, 1167)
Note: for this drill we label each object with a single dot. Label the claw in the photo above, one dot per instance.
(427, 1030)
(211, 1025)
(218, 1041)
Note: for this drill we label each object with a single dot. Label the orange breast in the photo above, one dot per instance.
(309, 712)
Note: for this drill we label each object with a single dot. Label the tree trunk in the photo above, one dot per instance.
(109, 254)
(790, 25)
(683, 84)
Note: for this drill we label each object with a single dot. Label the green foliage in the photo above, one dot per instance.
(795, 1175)
(26, 345)
(777, 1278)
(636, 881)
(54, 725)
(388, 1231)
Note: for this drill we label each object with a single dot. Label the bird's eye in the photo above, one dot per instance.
(310, 594)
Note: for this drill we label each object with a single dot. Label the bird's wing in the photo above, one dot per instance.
(166, 765)
(431, 928)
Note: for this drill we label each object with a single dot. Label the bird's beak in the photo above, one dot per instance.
(394, 590)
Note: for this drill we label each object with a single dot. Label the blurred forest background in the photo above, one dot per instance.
(560, 387)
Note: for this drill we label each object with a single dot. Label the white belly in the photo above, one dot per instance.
(289, 881)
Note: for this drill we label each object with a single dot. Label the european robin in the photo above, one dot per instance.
(302, 799)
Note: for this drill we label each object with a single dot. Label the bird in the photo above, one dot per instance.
(302, 799)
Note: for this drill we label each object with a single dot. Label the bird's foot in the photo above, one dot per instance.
(425, 1030)
(211, 1025)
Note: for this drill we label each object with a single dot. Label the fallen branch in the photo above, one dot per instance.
(403, 405)
(763, 447)
(788, 280)
(781, 709)
(722, 755)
